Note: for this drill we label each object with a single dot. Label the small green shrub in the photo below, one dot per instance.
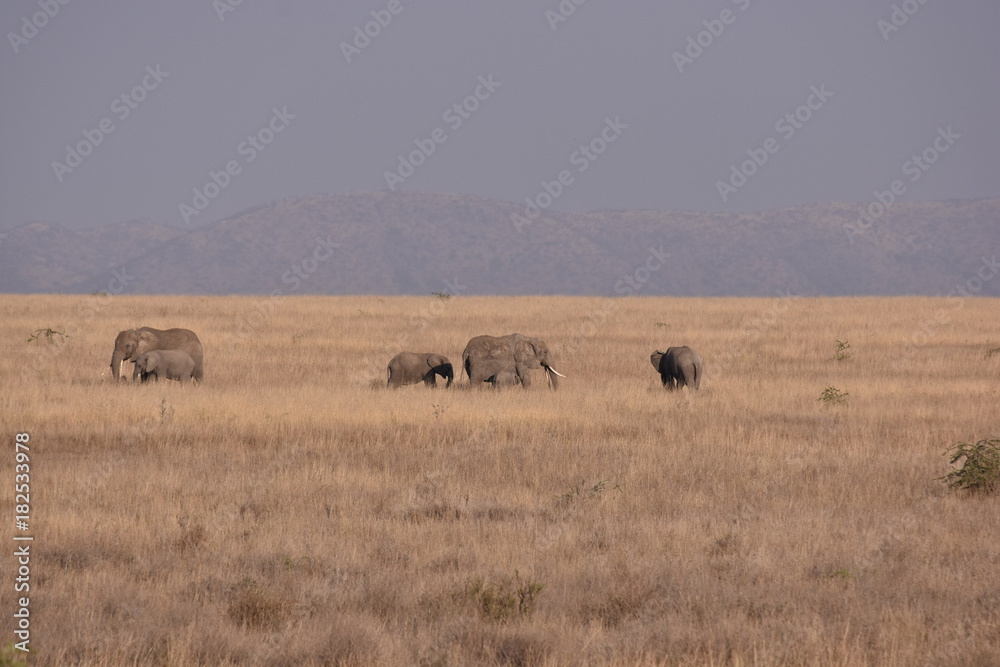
(992, 352)
(11, 656)
(832, 395)
(505, 600)
(48, 334)
(842, 350)
(585, 491)
(980, 471)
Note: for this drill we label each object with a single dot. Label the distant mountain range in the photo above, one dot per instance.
(414, 243)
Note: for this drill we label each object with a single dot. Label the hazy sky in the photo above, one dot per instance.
(728, 105)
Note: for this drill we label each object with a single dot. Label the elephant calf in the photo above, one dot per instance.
(170, 364)
(504, 379)
(414, 367)
(678, 364)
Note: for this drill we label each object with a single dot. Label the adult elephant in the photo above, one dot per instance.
(680, 365)
(133, 342)
(485, 356)
(414, 367)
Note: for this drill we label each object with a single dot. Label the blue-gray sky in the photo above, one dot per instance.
(885, 80)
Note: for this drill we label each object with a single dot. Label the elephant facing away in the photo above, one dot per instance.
(414, 367)
(133, 342)
(486, 356)
(169, 364)
(680, 365)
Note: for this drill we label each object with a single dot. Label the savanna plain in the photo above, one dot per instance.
(291, 510)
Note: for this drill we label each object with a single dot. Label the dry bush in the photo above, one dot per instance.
(290, 510)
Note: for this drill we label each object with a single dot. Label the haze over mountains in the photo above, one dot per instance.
(415, 243)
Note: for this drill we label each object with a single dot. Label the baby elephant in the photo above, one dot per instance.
(504, 379)
(414, 367)
(678, 364)
(170, 364)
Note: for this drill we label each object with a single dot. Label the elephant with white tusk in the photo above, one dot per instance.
(486, 356)
(133, 342)
(680, 365)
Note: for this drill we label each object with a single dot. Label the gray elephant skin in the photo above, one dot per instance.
(133, 342)
(413, 367)
(503, 380)
(678, 365)
(168, 364)
(485, 356)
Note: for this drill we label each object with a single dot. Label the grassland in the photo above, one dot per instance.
(292, 511)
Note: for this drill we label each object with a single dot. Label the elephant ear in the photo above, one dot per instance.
(526, 353)
(655, 359)
(147, 341)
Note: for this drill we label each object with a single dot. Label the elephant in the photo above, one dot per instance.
(414, 367)
(131, 343)
(169, 364)
(486, 356)
(503, 379)
(678, 364)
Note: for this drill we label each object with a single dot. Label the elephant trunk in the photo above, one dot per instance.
(117, 361)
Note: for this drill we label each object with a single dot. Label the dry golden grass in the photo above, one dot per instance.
(292, 511)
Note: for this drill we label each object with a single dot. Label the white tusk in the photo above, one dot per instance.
(556, 372)
(121, 368)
